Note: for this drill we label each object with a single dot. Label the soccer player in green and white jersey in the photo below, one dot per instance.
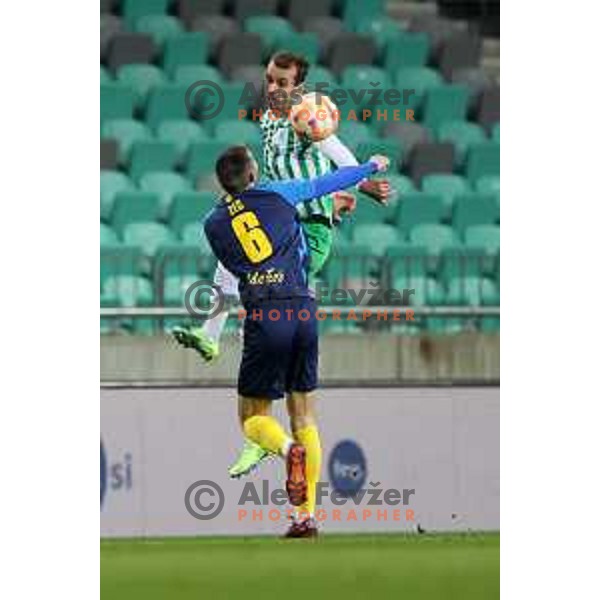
(286, 155)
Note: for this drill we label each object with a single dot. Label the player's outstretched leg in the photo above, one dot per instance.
(199, 340)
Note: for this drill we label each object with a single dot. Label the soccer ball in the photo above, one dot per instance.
(315, 117)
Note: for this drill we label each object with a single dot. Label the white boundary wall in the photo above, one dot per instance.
(442, 442)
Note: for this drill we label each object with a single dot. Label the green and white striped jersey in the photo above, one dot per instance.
(287, 156)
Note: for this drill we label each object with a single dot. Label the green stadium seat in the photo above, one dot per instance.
(166, 185)
(105, 76)
(418, 209)
(274, 31)
(182, 259)
(486, 237)
(134, 207)
(348, 263)
(409, 49)
(472, 291)
(460, 263)
(166, 103)
(126, 132)
(377, 237)
(489, 325)
(488, 184)
(116, 102)
(427, 291)
(445, 103)
(359, 11)
(361, 77)
(474, 209)
(447, 186)
(389, 147)
(189, 208)
(353, 133)
(463, 135)
(202, 158)
(119, 261)
(319, 74)
(175, 288)
(381, 28)
(181, 133)
(135, 9)
(160, 27)
(369, 211)
(193, 234)
(482, 160)
(406, 261)
(434, 237)
(305, 43)
(132, 291)
(111, 183)
(185, 49)
(496, 133)
(107, 236)
(147, 236)
(400, 184)
(419, 79)
(235, 131)
(141, 79)
(189, 74)
(151, 156)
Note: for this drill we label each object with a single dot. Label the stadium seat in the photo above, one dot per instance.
(488, 110)
(166, 185)
(349, 264)
(134, 207)
(189, 74)
(135, 9)
(472, 291)
(141, 79)
(482, 160)
(160, 27)
(112, 182)
(434, 237)
(429, 158)
(459, 262)
(318, 74)
(120, 261)
(445, 103)
(474, 209)
(487, 239)
(202, 158)
(105, 76)
(107, 236)
(401, 185)
(181, 133)
(356, 77)
(130, 48)
(381, 28)
(475, 79)
(185, 49)
(147, 156)
(116, 102)
(110, 25)
(496, 133)
(147, 236)
(378, 237)
(298, 11)
(237, 50)
(193, 234)
(189, 207)
(459, 51)
(437, 29)
(175, 287)
(126, 132)
(273, 31)
(326, 29)
(463, 135)
(234, 99)
(421, 291)
(419, 79)
(166, 103)
(181, 260)
(488, 184)
(369, 211)
(109, 150)
(255, 76)
(349, 49)
(352, 134)
(234, 131)
(406, 261)
(418, 208)
(189, 10)
(130, 290)
(408, 134)
(388, 147)
(216, 27)
(305, 43)
(406, 50)
(359, 11)
(447, 186)
(243, 9)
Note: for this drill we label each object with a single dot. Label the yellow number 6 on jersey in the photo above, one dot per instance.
(254, 240)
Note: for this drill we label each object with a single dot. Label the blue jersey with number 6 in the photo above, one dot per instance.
(257, 235)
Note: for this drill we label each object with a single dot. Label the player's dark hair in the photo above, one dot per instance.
(234, 169)
(286, 59)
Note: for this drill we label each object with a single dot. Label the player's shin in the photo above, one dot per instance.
(309, 438)
(266, 431)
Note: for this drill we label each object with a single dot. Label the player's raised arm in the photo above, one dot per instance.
(300, 190)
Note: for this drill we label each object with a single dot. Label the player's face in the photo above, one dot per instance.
(280, 83)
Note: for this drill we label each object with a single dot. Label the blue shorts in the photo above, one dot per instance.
(281, 349)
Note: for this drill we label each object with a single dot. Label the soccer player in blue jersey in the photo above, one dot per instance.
(255, 232)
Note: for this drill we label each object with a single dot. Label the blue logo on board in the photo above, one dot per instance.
(347, 468)
(114, 476)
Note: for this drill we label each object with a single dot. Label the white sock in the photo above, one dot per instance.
(287, 446)
(214, 327)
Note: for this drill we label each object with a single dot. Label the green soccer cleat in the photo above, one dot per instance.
(194, 337)
(249, 459)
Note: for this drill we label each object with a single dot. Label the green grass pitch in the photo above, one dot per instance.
(414, 567)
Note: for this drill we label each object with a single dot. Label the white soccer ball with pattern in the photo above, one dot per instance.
(315, 117)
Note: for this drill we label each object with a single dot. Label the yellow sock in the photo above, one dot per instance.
(309, 438)
(267, 433)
